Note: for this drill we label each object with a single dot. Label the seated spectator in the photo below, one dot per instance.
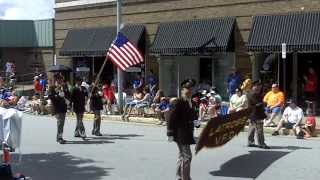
(35, 105)
(214, 106)
(216, 96)
(37, 85)
(162, 109)
(4, 103)
(157, 99)
(22, 102)
(291, 119)
(137, 96)
(247, 84)
(310, 126)
(145, 101)
(172, 104)
(12, 99)
(238, 101)
(275, 101)
(203, 107)
(109, 97)
(138, 83)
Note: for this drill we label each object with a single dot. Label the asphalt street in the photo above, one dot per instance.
(129, 151)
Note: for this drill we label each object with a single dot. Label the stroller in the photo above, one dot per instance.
(10, 136)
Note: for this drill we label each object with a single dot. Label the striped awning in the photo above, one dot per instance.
(300, 31)
(194, 37)
(95, 41)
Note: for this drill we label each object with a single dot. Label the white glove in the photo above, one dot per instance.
(61, 94)
(196, 123)
(100, 93)
(170, 138)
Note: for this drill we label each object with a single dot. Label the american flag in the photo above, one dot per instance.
(123, 53)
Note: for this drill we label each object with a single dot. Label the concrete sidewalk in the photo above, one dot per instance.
(155, 121)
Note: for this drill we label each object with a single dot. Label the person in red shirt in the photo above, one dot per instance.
(310, 87)
(37, 85)
(109, 97)
(310, 125)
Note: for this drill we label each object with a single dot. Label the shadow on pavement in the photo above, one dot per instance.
(60, 165)
(88, 141)
(250, 165)
(289, 147)
(105, 139)
(115, 136)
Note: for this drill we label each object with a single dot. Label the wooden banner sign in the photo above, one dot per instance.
(222, 129)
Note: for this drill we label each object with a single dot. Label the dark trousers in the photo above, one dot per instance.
(61, 117)
(256, 127)
(80, 130)
(184, 162)
(97, 122)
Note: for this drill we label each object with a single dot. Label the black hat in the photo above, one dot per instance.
(257, 83)
(189, 83)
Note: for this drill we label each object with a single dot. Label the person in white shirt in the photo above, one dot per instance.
(9, 69)
(238, 101)
(291, 119)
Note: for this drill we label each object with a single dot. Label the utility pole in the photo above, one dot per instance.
(119, 71)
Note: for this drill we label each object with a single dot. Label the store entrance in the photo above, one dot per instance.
(306, 61)
(107, 74)
(93, 65)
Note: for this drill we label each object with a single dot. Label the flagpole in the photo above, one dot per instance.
(119, 71)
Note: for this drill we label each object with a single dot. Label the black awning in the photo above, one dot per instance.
(95, 41)
(300, 31)
(194, 37)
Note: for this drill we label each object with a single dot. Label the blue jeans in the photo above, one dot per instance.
(275, 110)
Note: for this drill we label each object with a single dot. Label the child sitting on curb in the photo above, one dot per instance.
(310, 125)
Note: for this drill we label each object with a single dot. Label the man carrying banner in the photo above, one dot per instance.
(255, 102)
(180, 129)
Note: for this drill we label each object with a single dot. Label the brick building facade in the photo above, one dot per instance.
(76, 14)
(29, 44)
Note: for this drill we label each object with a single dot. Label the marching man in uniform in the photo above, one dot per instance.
(58, 95)
(96, 106)
(180, 129)
(78, 100)
(255, 102)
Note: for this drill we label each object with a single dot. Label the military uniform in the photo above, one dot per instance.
(181, 127)
(255, 102)
(59, 96)
(78, 100)
(96, 106)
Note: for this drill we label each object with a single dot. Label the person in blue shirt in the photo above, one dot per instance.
(234, 81)
(152, 83)
(138, 83)
(162, 109)
(43, 82)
